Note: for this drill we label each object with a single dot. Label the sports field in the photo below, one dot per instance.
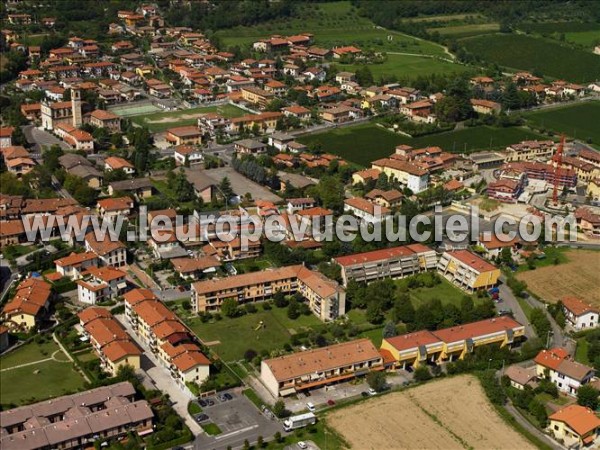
(578, 277)
(551, 58)
(364, 143)
(451, 413)
(579, 121)
(333, 24)
(134, 109)
(161, 121)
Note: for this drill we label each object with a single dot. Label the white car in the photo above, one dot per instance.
(311, 407)
(372, 391)
(302, 444)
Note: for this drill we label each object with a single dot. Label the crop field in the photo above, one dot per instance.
(452, 413)
(536, 54)
(578, 277)
(408, 66)
(159, 122)
(578, 121)
(581, 33)
(448, 18)
(466, 30)
(332, 24)
(586, 38)
(364, 143)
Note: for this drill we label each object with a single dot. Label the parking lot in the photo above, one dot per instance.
(238, 420)
(240, 184)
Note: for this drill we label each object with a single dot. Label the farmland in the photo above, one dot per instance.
(159, 122)
(582, 33)
(459, 31)
(578, 277)
(579, 121)
(535, 54)
(452, 413)
(332, 24)
(364, 143)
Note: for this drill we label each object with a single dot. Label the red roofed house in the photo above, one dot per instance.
(29, 306)
(75, 264)
(116, 163)
(485, 106)
(365, 210)
(190, 135)
(579, 314)
(100, 284)
(111, 208)
(105, 119)
(557, 366)
(576, 427)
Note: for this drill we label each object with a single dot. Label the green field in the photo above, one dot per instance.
(364, 143)
(407, 66)
(36, 382)
(581, 33)
(588, 39)
(536, 54)
(466, 30)
(578, 121)
(448, 18)
(159, 122)
(333, 24)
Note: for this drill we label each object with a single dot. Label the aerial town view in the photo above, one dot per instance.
(299, 224)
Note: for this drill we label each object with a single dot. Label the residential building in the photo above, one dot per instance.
(302, 371)
(74, 137)
(393, 262)
(189, 135)
(520, 377)
(195, 268)
(588, 221)
(112, 208)
(493, 245)
(366, 211)
(266, 122)
(579, 314)
(467, 270)
(299, 112)
(504, 190)
(449, 344)
(575, 426)
(187, 154)
(388, 199)
(117, 163)
(76, 420)
(298, 204)
(530, 151)
(140, 188)
(485, 106)
(407, 173)
(249, 147)
(6, 137)
(363, 176)
(257, 96)
(110, 341)
(326, 298)
(105, 119)
(4, 338)
(280, 141)
(100, 284)
(74, 265)
(110, 251)
(29, 306)
(557, 366)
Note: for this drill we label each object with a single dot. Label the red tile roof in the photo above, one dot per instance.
(577, 306)
(472, 260)
(580, 419)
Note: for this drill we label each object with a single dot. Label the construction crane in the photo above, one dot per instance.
(557, 160)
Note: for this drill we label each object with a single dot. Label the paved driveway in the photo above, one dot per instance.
(42, 138)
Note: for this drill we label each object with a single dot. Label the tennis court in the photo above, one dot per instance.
(135, 110)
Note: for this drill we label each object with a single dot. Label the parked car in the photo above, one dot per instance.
(202, 403)
(311, 407)
(372, 391)
(227, 396)
(210, 402)
(201, 418)
(331, 402)
(302, 445)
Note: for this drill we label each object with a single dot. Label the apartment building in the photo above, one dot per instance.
(302, 371)
(186, 135)
(267, 122)
(530, 151)
(450, 344)
(366, 211)
(414, 177)
(579, 314)
(75, 264)
(29, 306)
(110, 341)
(112, 208)
(557, 366)
(257, 96)
(168, 338)
(326, 299)
(105, 119)
(394, 262)
(77, 420)
(576, 426)
(467, 270)
(100, 284)
(110, 251)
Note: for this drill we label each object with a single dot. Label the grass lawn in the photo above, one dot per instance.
(242, 333)
(252, 265)
(194, 408)
(24, 385)
(445, 291)
(530, 53)
(376, 336)
(581, 351)
(212, 429)
(364, 143)
(14, 251)
(159, 122)
(525, 306)
(407, 66)
(253, 397)
(553, 254)
(586, 38)
(333, 24)
(578, 121)
(29, 353)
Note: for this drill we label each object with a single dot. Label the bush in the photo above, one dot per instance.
(249, 355)
(422, 373)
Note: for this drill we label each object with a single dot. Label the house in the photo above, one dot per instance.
(366, 211)
(117, 163)
(100, 284)
(29, 306)
(467, 270)
(12, 232)
(298, 204)
(339, 114)
(326, 299)
(138, 187)
(340, 52)
(280, 141)
(266, 122)
(393, 262)
(110, 341)
(364, 176)
(389, 199)
(249, 147)
(345, 77)
(67, 421)
(257, 96)
(301, 371)
(579, 314)
(195, 268)
(110, 251)
(4, 338)
(76, 138)
(504, 190)
(314, 73)
(576, 426)
(556, 366)
(74, 265)
(450, 344)
(492, 245)
(164, 244)
(111, 208)
(187, 154)
(588, 221)
(405, 172)
(105, 119)
(485, 106)
(520, 377)
(189, 135)
(6, 136)
(203, 184)
(299, 112)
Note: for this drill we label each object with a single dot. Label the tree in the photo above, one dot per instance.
(260, 443)
(389, 330)
(229, 307)
(225, 188)
(280, 300)
(376, 381)
(422, 373)
(364, 76)
(538, 410)
(293, 311)
(249, 355)
(279, 409)
(403, 309)
(588, 396)
(374, 313)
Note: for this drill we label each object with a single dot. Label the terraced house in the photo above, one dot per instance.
(468, 271)
(29, 306)
(326, 299)
(449, 344)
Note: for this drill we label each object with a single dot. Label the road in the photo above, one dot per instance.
(42, 138)
(533, 430)
(509, 301)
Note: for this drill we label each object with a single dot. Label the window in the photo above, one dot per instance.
(556, 427)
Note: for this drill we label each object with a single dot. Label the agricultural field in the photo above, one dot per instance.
(452, 413)
(36, 372)
(409, 66)
(364, 143)
(578, 121)
(523, 52)
(460, 31)
(577, 277)
(586, 34)
(333, 24)
(161, 121)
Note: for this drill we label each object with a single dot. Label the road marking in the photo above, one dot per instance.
(242, 430)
